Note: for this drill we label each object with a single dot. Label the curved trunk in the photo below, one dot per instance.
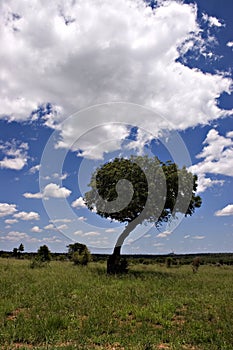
(114, 264)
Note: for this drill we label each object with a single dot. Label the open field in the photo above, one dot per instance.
(62, 306)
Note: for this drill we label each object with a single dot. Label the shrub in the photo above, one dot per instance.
(195, 264)
(81, 258)
(168, 262)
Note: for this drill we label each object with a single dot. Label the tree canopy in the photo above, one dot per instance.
(157, 190)
(141, 189)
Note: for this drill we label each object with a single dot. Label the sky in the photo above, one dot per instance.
(84, 82)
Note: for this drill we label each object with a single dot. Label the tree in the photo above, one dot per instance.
(196, 263)
(15, 252)
(140, 189)
(79, 254)
(44, 253)
(20, 249)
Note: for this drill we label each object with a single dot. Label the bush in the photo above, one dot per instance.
(44, 254)
(195, 264)
(169, 262)
(82, 258)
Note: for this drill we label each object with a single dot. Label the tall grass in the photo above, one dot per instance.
(62, 306)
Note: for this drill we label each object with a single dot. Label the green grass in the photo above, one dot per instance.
(62, 306)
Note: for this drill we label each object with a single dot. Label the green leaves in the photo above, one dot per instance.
(153, 191)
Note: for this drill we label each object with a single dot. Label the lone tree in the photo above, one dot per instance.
(140, 189)
(44, 254)
(20, 249)
(79, 254)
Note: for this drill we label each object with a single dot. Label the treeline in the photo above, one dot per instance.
(182, 259)
(174, 259)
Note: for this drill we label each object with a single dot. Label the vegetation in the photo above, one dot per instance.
(44, 253)
(17, 251)
(152, 307)
(79, 254)
(137, 190)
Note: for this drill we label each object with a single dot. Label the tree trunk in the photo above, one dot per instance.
(114, 263)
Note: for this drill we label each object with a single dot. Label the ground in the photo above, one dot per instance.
(66, 307)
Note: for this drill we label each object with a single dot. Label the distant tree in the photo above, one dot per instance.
(151, 191)
(15, 252)
(79, 254)
(169, 261)
(196, 263)
(20, 249)
(44, 254)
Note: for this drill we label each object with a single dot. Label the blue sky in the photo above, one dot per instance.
(82, 83)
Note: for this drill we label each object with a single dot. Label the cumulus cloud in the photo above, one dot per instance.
(217, 155)
(62, 227)
(164, 234)
(36, 229)
(15, 236)
(230, 44)
(78, 233)
(34, 169)
(56, 176)
(212, 21)
(227, 211)
(27, 216)
(50, 191)
(82, 218)
(15, 155)
(84, 53)
(50, 227)
(91, 233)
(11, 221)
(7, 209)
(78, 203)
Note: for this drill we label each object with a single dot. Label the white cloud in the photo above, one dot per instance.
(50, 191)
(34, 169)
(78, 203)
(7, 209)
(91, 233)
(56, 176)
(53, 239)
(62, 220)
(217, 159)
(78, 233)
(228, 210)
(82, 218)
(15, 155)
(62, 227)
(50, 227)
(11, 221)
(110, 230)
(158, 244)
(27, 216)
(212, 21)
(114, 51)
(206, 182)
(230, 44)
(33, 195)
(164, 234)
(186, 236)
(55, 191)
(36, 229)
(198, 237)
(15, 236)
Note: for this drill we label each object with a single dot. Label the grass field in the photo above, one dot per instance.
(62, 306)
